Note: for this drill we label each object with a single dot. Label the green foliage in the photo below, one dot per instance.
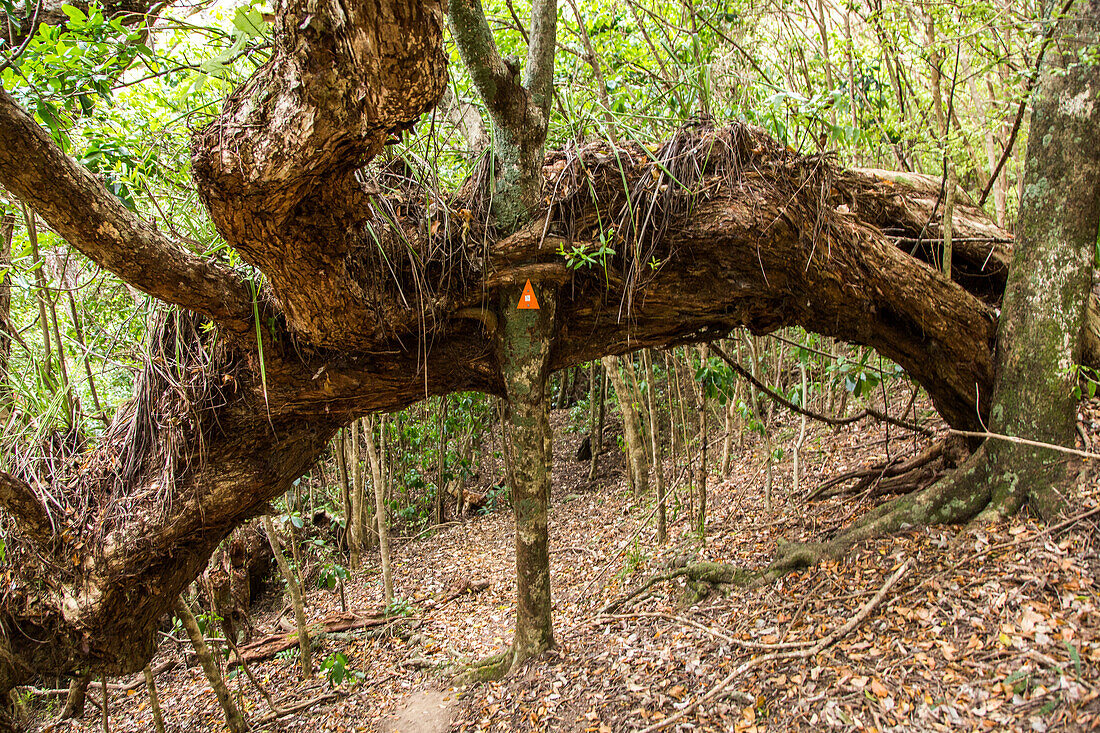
(1085, 381)
(636, 558)
(583, 254)
(496, 498)
(335, 667)
(331, 575)
(859, 377)
(398, 607)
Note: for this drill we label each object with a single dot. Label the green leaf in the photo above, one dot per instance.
(76, 15)
(249, 21)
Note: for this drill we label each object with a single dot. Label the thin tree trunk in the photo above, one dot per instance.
(154, 700)
(295, 598)
(380, 512)
(78, 331)
(525, 365)
(48, 307)
(701, 475)
(440, 480)
(106, 718)
(655, 442)
(600, 376)
(355, 496)
(638, 471)
(345, 488)
(796, 454)
(233, 714)
(74, 701)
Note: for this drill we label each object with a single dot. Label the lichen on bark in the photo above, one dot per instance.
(525, 340)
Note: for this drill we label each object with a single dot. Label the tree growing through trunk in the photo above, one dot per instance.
(265, 373)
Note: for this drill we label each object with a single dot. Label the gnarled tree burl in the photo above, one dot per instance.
(369, 306)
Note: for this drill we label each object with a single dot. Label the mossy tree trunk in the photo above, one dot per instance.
(519, 106)
(633, 445)
(525, 365)
(1044, 312)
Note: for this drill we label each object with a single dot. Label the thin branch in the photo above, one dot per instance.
(26, 41)
(78, 207)
(828, 641)
(496, 81)
(1024, 441)
(1031, 81)
(540, 54)
(775, 396)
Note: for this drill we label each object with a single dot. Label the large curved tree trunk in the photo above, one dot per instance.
(370, 307)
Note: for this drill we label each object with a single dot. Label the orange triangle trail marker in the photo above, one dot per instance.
(528, 301)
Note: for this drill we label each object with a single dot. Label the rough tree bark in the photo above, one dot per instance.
(637, 465)
(1044, 312)
(520, 111)
(760, 238)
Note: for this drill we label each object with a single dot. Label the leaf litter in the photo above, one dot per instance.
(988, 627)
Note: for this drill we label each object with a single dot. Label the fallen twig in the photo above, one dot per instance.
(706, 629)
(297, 707)
(133, 684)
(820, 646)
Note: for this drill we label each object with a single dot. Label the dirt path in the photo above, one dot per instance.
(426, 711)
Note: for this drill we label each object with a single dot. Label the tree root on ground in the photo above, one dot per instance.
(493, 667)
(702, 577)
(897, 476)
(957, 497)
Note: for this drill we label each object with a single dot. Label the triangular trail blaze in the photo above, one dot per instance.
(528, 301)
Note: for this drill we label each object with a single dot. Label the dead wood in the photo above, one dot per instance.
(868, 476)
(272, 644)
(284, 710)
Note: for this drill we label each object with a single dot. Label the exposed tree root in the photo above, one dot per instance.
(957, 497)
(702, 578)
(495, 666)
(890, 477)
(490, 668)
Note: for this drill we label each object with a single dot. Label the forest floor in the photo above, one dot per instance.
(986, 628)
